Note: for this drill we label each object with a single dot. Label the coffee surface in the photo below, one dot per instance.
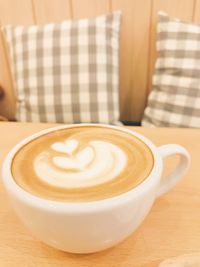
(83, 163)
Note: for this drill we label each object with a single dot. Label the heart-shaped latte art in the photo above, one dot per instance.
(68, 146)
(78, 162)
(95, 163)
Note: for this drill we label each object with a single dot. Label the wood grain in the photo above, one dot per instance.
(170, 229)
(89, 9)
(197, 11)
(133, 56)
(52, 11)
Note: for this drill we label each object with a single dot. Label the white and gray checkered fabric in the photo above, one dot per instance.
(66, 72)
(175, 98)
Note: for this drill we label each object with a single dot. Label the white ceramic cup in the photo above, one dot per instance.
(87, 227)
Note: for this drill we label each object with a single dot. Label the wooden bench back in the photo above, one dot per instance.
(137, 55)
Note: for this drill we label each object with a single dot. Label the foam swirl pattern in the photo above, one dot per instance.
(98, 162)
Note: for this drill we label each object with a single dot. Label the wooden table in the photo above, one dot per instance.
(171, 228)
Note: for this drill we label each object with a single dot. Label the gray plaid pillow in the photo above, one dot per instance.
(175, 98)
(66, 72)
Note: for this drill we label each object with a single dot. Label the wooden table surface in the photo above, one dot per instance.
(172, 227)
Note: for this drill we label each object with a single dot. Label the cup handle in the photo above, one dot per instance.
(170, 181)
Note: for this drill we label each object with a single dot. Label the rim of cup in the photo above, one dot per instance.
(90, 206)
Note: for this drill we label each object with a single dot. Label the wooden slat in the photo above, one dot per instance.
(11, 12)
(16, 12)
(89, 8)
(51, 11)
(182, 9)
(197, 11)
(133, 56)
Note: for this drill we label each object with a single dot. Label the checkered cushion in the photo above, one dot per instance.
(175, 98)
(66, 72)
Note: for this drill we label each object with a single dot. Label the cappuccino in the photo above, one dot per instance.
(82, 163)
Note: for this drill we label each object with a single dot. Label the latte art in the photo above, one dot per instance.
(82, 163)
(96, 163)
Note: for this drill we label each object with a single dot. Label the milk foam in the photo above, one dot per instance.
(72, 167)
